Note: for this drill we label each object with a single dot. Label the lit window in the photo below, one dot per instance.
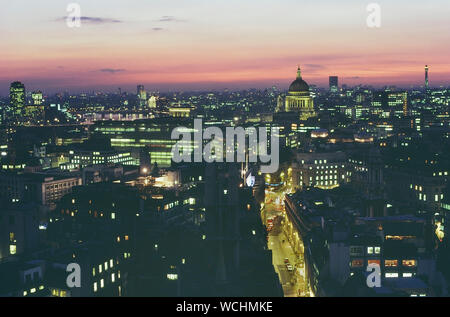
(357, 263)
(390, 275)
(377, 250)
(409, 263)
(373, 262)
(390, 263)
(12, 249)
(95, 287)
(102, 283)
(113, 277)
(369, 250)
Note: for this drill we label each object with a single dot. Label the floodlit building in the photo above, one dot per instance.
(299, 98)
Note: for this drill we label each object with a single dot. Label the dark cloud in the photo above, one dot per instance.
(169, 18)
(111, 70)
(93, 20)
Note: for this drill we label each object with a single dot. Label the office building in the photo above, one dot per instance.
(334, 84)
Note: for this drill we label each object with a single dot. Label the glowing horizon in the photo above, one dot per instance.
(215, 44)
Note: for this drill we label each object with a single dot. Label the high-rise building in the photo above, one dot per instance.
(142, 95)
(334, 83)
(17, 97)
(152, 102)
(37, 98)
(426, 77)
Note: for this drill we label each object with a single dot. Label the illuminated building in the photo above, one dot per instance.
(34, 114)
(104, 216)
(280, 104)
(83, 158)
(17, 97)
(418, 183)
(142, 95)
(37, 98)
(36, 187)
(153, 136)
(322, 170)
(299, 99)
(427, 85)
(396, 102)
(341, 247)
(334, 83)
(180, 112)
(152, 102)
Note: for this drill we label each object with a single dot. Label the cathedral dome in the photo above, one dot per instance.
(299, 85)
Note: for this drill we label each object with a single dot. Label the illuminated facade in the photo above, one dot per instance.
(37, 98)
(152, 135)
(142, 95)
(17, 97)
(87, 158)
(299, 98)
(322, 170)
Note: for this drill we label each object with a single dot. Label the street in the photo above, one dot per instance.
(280, 252)
(293, 282)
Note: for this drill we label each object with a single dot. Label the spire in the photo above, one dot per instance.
(299, 72)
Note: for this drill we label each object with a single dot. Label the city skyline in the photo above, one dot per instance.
(171, 88)
(222, 45)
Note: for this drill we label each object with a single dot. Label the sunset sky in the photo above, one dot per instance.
(215, 44)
